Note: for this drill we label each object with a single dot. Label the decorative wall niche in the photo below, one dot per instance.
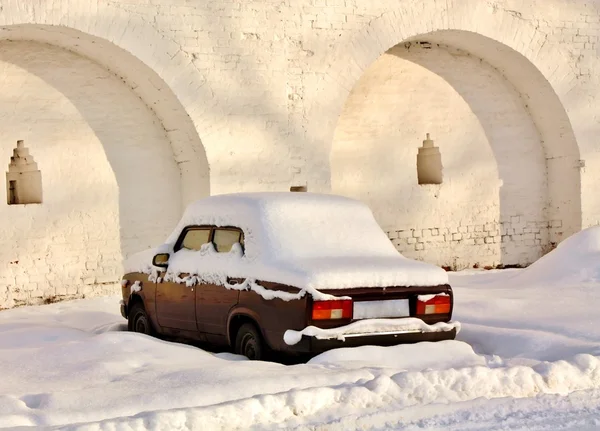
(429, 163)
(23, 179)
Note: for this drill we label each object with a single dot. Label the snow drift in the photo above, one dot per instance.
(576, 260)
(66, 371)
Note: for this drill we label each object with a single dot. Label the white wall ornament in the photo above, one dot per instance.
(23, 179)
(429, 163)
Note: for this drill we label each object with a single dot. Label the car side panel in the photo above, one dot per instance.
(243, 311)
(175, 306)
(213, 306)
(277, 315)
(147, 293)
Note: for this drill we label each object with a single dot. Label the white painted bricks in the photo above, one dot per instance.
(484, 133)
(237, 96)
(110, 182)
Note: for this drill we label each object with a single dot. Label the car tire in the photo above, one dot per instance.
(139, 321)
(249, 342)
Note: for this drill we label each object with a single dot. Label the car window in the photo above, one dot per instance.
(225, 238)
(195, 238)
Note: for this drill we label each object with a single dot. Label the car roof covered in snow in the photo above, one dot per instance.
(258, 208)
(301, 239)
(293, 224)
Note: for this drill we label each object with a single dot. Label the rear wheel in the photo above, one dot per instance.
(249, 342)
(138, 320)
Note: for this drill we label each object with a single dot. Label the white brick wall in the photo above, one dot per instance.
(254, 90)
(110, 183)
(491, 152)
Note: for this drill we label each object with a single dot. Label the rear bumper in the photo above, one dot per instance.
(315, 345)
(374, 332)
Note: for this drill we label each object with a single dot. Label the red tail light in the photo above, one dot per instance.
(437, 305)
(327, 310)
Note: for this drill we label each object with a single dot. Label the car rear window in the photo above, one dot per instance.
(225, 238)
(195, 238)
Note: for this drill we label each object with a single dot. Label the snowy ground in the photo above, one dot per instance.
(528, 357)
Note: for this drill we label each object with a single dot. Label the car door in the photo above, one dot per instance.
(213, 302)
(176, 302)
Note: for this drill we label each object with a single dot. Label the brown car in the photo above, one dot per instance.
(286, 272)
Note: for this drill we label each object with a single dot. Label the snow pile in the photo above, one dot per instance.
(64, 367)
(398, 391)
(408, 324)
(575, 260)
(68, 365)
(306, 240)
(544, 312)
(441, 355)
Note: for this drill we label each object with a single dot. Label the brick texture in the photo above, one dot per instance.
(111, 185)
(238, 96)
(484, 132)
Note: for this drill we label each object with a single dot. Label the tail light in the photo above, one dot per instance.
(327, 310)
(439, 304)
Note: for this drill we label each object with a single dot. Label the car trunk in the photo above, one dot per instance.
(388, 302)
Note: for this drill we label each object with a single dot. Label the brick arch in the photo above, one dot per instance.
(152, 66)
(540, 72)
(414, 19)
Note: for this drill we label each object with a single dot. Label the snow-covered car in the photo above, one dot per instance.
(288, 272)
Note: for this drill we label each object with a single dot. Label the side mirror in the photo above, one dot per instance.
(161, 260)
